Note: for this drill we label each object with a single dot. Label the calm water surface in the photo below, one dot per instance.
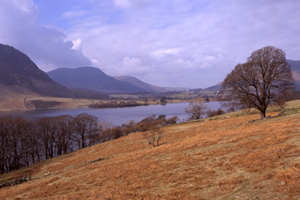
(116, 116)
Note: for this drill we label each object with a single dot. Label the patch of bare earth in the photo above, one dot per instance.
(219, 159)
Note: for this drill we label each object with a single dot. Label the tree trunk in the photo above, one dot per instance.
(263, 114)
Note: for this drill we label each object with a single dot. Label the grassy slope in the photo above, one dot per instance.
(217, 159)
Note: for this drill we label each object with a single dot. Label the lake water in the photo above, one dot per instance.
(117, 116)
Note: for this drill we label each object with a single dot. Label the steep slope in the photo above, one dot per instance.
(138, 83)
(93, 79)
(19, 75)
(222, 158)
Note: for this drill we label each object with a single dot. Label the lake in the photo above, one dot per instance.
(116, 116)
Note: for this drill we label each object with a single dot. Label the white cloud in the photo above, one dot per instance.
(132, 65)
(132, 3)
(183, 43)
(76, 44)
(74, 14)
(45, 45)
(188, 38)
(162, 53)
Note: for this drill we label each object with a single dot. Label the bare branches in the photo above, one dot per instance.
(257, 83)
(154, 136)
(196, 109)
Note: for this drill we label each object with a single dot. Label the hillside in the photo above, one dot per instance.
(20, 76)
(93, 79)
(138, 83)
(222, 158)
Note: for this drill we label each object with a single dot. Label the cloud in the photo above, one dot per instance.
(127, 4)
(74, 14)
(45, 45)
(170, 43)
(132, 65)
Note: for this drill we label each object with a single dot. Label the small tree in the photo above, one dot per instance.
(256, 83)
(154, 136)
(196, 109)
(163, 100)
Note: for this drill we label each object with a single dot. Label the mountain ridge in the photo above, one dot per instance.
(137, 82)
(20, 75)
(93, 78)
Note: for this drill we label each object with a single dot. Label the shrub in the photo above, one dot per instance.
(212, 113)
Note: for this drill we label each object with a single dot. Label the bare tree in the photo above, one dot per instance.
(154, 136)
(196, 109)
(64, 134)
(19, 131)
(4, 147)
(256, 83)
(47, 128)
(85, 126)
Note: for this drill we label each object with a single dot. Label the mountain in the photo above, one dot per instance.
(20, 75)
(138, 83)
(94, 79)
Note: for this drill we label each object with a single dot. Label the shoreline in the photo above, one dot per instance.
(35, 103)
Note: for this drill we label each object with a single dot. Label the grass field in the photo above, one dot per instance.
(219, 158)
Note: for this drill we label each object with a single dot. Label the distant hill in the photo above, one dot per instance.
(215, 87)
(19, 75)
(93, 79)
(138, 83)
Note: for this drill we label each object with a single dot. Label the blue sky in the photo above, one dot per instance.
(184, 43)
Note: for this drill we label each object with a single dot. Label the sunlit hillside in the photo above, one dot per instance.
(225, 157)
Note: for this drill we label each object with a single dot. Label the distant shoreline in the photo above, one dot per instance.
(33, 103)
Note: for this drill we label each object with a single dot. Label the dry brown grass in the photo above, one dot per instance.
(218, 159)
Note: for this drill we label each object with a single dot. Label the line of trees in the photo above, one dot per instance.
(24, 142)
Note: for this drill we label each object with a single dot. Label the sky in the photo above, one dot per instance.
(178, 43)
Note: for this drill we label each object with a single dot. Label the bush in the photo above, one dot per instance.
(154, 136)
(212, 113)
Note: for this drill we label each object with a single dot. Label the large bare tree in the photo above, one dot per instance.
(257, 83)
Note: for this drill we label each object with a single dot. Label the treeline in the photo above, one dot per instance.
(24, 142)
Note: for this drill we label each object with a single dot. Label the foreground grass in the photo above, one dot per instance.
(225, 158)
